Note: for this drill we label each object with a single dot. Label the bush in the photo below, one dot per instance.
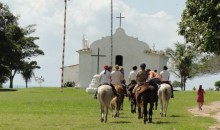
(217, 85)
(69, 84)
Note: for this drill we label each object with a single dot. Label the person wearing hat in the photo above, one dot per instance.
(106, 80)
(116, 76)
(165, 77)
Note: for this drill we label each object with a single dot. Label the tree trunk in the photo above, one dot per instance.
(181, 81)
(26, 82)
(11, 82)
(11, 78)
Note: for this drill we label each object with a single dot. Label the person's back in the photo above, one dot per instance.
(105, 77)
(165, 78)
(133, 74)
(165, 75)
(116, 77)
(141, 77)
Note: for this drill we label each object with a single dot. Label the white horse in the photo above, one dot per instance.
(107, 100)
(164, 94)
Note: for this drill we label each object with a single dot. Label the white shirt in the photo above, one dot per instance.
(116, 77)
(165, 75)
(105, 77)
(132, 75)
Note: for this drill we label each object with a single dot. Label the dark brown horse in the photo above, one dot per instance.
(145, 94)
(131, 96)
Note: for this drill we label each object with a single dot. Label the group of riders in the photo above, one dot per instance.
(136, 78)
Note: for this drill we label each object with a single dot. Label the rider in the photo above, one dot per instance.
(154, 79)
(116, 76)
(132, 75)
(105, 80)
(141, 76)
(165, 76)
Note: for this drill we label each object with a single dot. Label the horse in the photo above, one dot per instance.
(131, 96)
(145, 94)
(107, 100)
(164, 94)
(120, 99)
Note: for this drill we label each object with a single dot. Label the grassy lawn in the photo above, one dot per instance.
(74, 109)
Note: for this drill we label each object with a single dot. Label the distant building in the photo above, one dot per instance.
(71, 74)
(127, 51)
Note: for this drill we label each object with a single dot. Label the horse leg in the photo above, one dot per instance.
(139, 112)
(151, 112)
(161, 108)
(156, 103)
(145, 111)
(106, 113)
(102, 113)
(166, 107)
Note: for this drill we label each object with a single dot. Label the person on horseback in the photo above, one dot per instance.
(154, 79)
(165, 76)
(141, 77)
(116, 76)
(132, 75)
(123, 81)
(105, 80)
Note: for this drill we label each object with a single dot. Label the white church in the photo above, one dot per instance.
(125, 51)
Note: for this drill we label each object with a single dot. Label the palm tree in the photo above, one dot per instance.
(28, 70)
(182, 60)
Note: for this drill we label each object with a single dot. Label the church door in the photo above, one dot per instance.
(119, 60)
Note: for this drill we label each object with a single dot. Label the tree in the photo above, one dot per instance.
(17, 45)
(6, 19)
(28, 70)
(200, 25)
(182, 60)
(217, 85)
(176, 84)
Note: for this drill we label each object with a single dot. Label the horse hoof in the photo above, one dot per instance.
(102, 120)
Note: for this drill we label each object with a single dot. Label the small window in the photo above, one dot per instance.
(119, 60)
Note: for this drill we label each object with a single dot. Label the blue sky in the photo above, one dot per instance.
(152, 21)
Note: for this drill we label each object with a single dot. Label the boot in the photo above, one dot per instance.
(114, 90)
(172, 96)
(95, 96)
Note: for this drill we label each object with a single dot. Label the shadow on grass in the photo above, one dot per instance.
(7, 90)
(161, 122)
(174, 116)
(121, 122)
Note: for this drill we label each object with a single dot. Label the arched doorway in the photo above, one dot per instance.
(119, 60)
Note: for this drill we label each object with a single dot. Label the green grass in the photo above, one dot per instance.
(74, 109)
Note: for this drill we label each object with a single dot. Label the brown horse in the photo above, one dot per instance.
(120, 99)
(145, 94)
(131, 96)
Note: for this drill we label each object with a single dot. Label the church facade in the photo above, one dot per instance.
(126, 52)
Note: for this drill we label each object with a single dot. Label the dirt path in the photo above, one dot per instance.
(212, 110)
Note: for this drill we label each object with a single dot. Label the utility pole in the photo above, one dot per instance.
(111, 32)
(64, 39)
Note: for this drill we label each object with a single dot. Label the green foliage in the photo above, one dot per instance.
(16, 45)
(69, 84)
(176, 84)
(200, 25)
(28, 70)
(74, 109)
(217, 85)
(182, 61)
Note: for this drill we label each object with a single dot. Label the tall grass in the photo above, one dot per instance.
(74, 109)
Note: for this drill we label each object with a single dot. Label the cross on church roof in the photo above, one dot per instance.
(120, 18)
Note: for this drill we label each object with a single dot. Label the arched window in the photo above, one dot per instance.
(119, 60)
